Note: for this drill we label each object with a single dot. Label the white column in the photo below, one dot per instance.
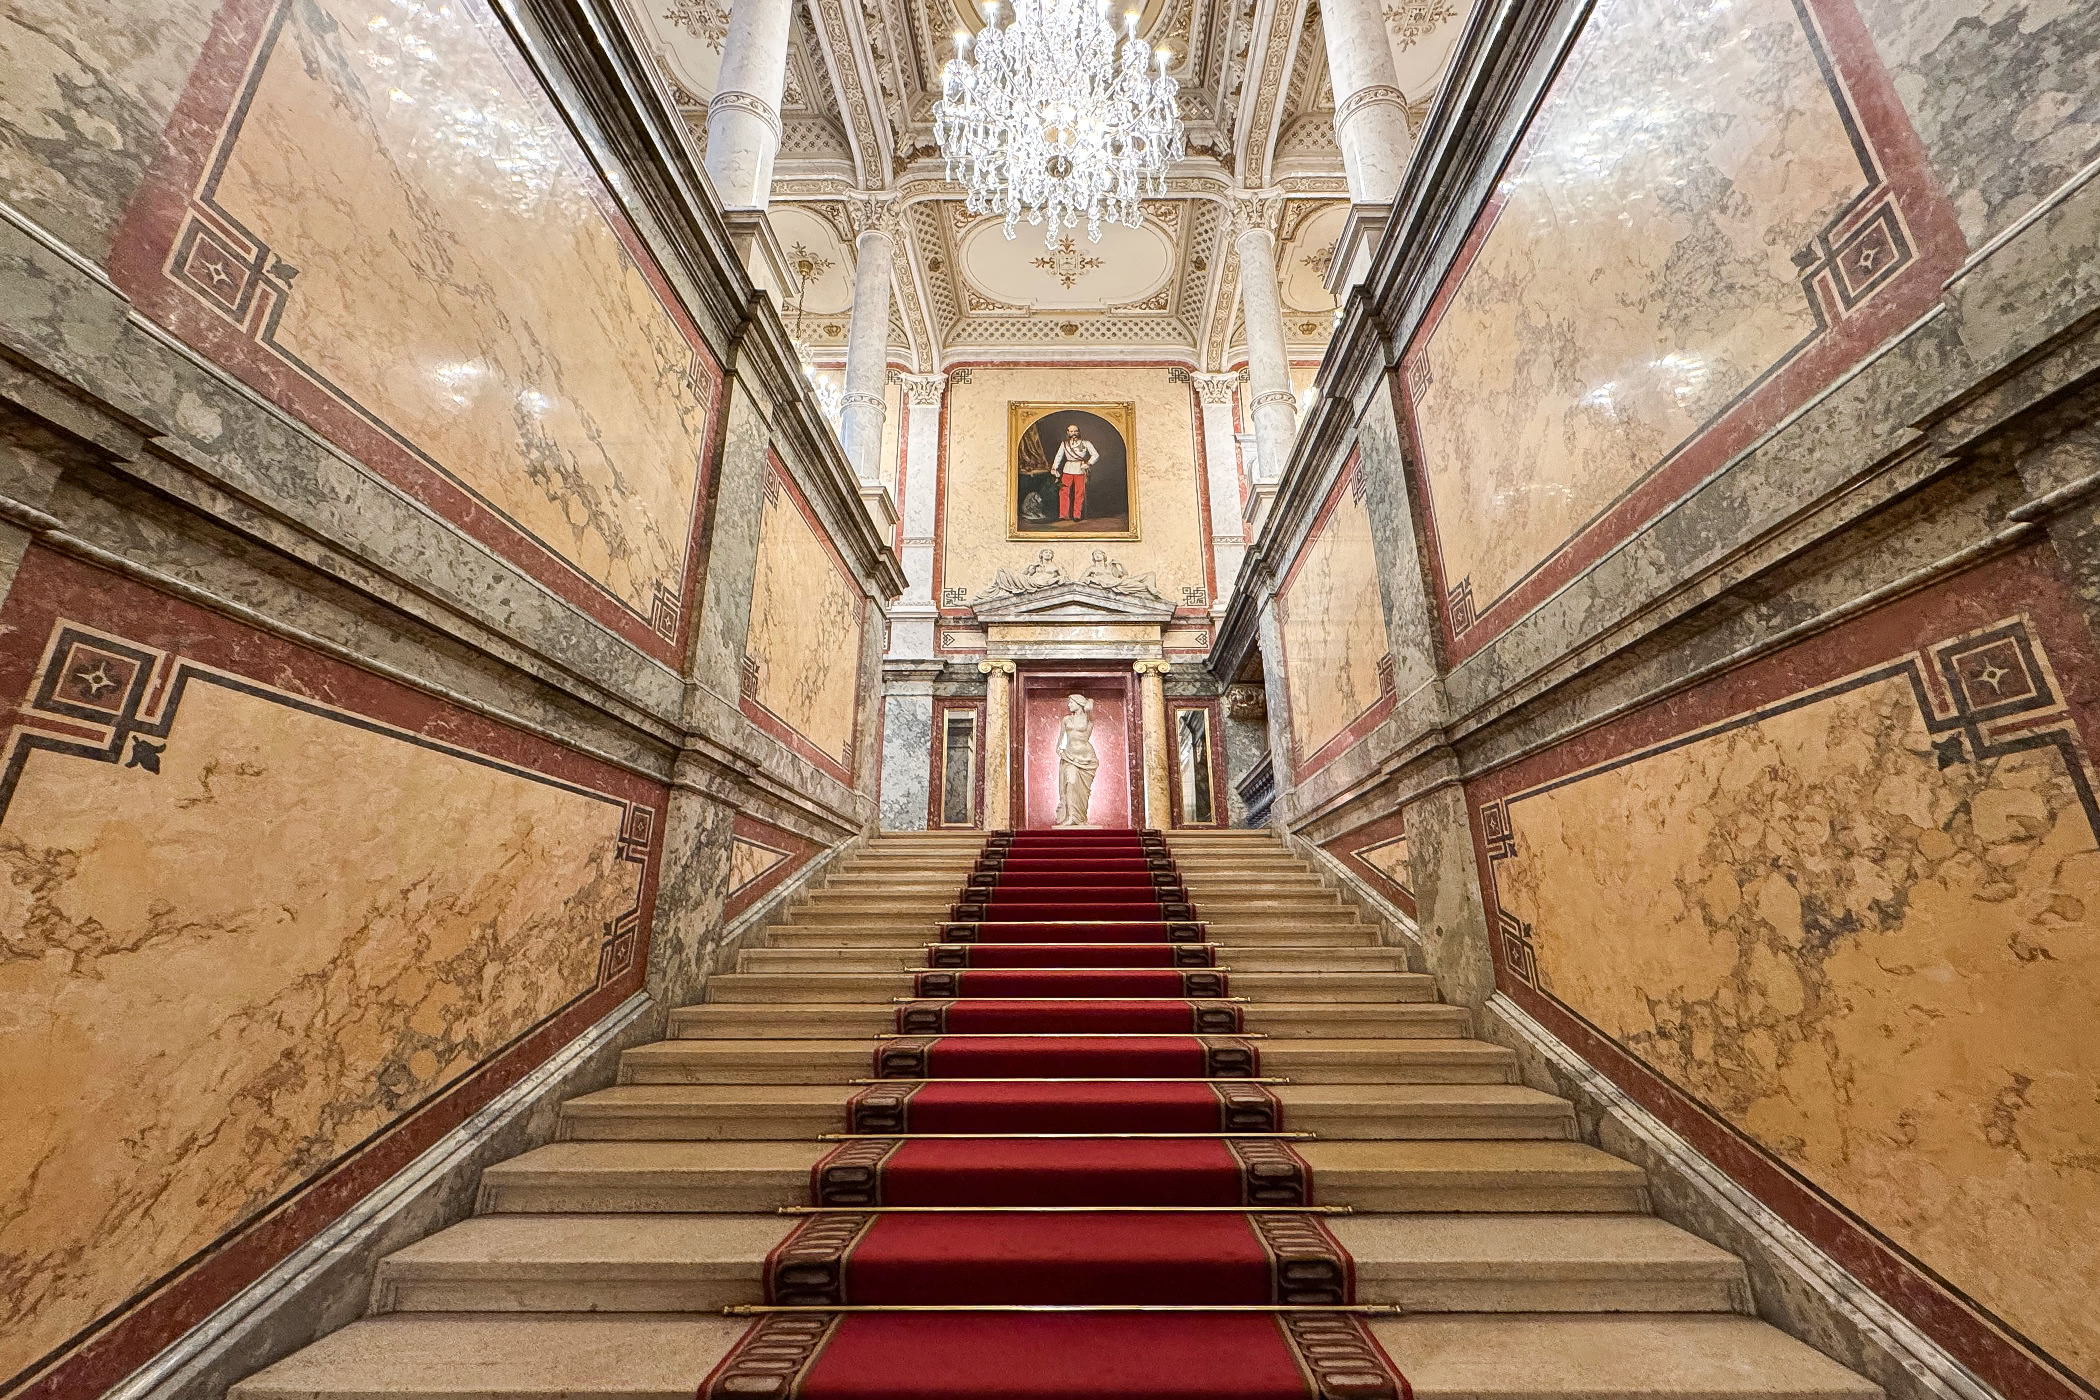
(1152, 717)
(1370, 111)
(743, 117)
(1221, 471)
(998, 744)
(868, 341)
(1272, 405)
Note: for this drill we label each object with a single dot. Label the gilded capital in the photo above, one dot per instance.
(1002, 668)
(1152, 668)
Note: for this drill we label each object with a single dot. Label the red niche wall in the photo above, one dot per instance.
(1044, 698)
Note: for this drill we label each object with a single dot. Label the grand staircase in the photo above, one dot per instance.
(1389, 1159)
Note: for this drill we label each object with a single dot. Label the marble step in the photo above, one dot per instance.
(1389, 1060)
(1633, 1356)
(1234, 960)
(775, 1112)
(840, 928)
(839, 985)
(823, 1020)
(748, 1176)
(660, 1356)
(1240, 901)
(1425, 1263)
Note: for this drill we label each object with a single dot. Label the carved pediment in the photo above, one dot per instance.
(1069, 604)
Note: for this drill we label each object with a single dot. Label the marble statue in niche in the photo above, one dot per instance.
(1076, 762)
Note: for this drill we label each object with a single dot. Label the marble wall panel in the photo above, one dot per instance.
(1337, 669)
(802, 655)
(86, 89)
(1378, 851)
(907, 757)
(2001, 93)
(1173, 520)
(379, 220)
(270, 921)
(1841, 904)
(1716, 209)
(761, 856)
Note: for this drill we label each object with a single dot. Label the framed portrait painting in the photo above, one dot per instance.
(1071, 471)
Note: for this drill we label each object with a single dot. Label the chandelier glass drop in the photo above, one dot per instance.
(1048, 121)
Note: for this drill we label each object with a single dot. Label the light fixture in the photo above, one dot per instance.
(1047, 121)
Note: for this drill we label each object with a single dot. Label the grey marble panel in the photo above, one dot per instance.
(907, 746)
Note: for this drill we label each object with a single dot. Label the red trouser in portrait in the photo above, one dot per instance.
(1071, 498)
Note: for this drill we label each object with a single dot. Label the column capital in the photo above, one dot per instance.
(1152, 668)
(1255, 211)
(874, 213)
(995, 668)
(1218, 388)
(923, 389)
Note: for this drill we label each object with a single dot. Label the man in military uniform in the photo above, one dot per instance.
(1075, 457)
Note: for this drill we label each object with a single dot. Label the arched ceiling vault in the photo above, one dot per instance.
(857, 121)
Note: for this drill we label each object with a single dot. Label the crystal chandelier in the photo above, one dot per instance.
(1048, 122)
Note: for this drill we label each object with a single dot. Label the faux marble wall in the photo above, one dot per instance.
(1864, 881)
(1710, 215)
(1173, 543)
(261, 906)
(380, 221)
(1336, 667)
(802, 657)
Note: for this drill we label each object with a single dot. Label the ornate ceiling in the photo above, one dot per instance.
(862, 78)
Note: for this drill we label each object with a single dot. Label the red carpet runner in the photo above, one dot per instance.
(1072, 994)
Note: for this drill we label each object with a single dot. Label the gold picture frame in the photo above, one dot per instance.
(1036, 496)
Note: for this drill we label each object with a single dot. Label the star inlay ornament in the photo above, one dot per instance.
(216, 270)
(1990, 673)
(1066, 263)
(95, 679)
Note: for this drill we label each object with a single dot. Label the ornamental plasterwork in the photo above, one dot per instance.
(1066, 263)
(1412, 21)
(705, 20)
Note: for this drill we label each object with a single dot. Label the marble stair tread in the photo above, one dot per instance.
(582, 1263)
(830, 984)
(494, 1356)
(738, 1176)
(1625, 1357)
(845, 958)
(1485, 1262)
(1434, 1263)
(1329, 1061)
(694, 1112)
(917, 933)
(829, 1020)
(1440, 1175)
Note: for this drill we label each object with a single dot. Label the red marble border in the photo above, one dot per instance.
(1376, 832)
(947, 615)
(942, 706)
(2028, 582)
(1938, 246)
(139, 264)
(51, 586)
(800, 850)
(1302, 765)
(801, 744)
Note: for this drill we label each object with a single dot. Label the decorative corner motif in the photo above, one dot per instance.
(747, 679)
(1854, 256)
(1459, 603)
(93, 692)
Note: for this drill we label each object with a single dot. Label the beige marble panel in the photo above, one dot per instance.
(1639, 276)
(459, 280)
(1389, 858)
(974, 546)
(748, 860)
(1881, 970)
(805, 631)
(1333, 628)
(230, 973)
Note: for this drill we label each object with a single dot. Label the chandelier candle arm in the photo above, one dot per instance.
(1044, 118)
